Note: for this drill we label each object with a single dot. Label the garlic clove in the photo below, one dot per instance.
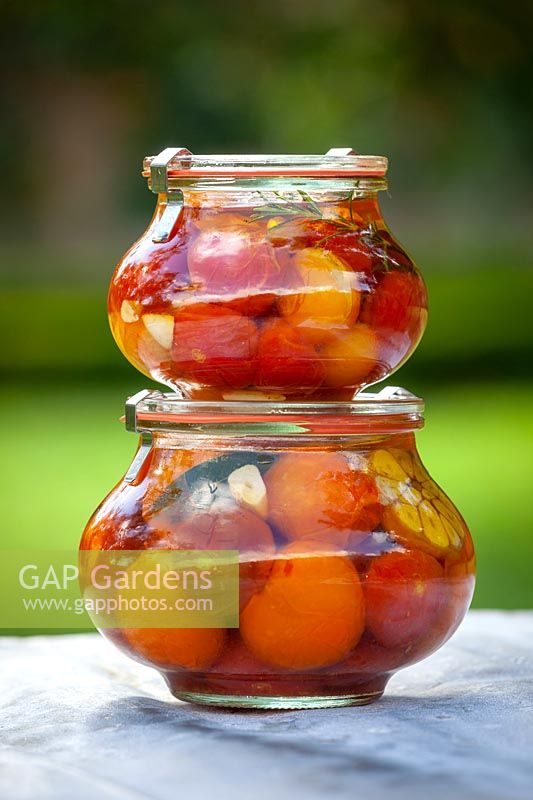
(129, 311)
(160, 327)
(247, 486)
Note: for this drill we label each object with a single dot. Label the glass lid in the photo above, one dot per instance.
(179, 162)
(389, 410)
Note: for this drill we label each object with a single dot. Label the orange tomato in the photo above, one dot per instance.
(310, 613)
(171, 648)
(326, 298)
(350, 358)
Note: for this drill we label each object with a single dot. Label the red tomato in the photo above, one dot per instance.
(403, 597)
(326, 236)
(215, 346)
(319, 496)
(226, 529)
(371, 658)
(396, 301)
(352, 250)
(234, 261)
(285, 360)
(152, 274)
(240, 672)
(238, 661)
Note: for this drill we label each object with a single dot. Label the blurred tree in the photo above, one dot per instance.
(444, 88)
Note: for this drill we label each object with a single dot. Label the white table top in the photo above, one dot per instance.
(80, 721)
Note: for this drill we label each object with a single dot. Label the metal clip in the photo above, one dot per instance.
(168, 218)
(159, 167)
(339, 152)
(146, 438)
(395, 393)
(159, 180)
(140, 457)
(130, 409)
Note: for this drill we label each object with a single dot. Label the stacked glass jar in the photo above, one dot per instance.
(267, 292)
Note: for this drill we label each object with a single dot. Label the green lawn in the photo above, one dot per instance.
(64, 449)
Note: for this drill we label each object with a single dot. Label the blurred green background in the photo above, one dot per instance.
(443, 88)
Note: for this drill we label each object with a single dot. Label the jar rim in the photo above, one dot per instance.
(176, 163)
(391, 409)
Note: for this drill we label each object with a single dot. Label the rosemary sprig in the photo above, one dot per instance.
(307, 209)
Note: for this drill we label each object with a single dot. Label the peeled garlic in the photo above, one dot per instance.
(129, 311)
(248, 488)
(161, 328)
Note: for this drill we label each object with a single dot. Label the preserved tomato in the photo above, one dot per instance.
(302, 285)
(351, 561)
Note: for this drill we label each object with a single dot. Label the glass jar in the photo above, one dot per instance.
(353, 562)
(272, 277)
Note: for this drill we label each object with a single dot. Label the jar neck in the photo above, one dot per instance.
(264, 440)
(354, 199)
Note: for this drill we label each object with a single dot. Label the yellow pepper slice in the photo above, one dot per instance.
(416, 511)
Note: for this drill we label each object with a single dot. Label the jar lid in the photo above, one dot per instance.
(391, 410)
(179, 162)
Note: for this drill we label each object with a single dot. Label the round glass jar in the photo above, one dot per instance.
(272, 277)
(352, 561)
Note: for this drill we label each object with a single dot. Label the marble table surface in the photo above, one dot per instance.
(80, 721)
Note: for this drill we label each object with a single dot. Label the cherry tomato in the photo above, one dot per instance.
(285, 360)
(118, 524)
(397, 302)
(403, 592)
(214, 346)
(371, 658)
(351, 358)
(226, 529)
(235, 260)
(238, 661)
(239, 672)
(186, 648)
(290, 235)
(152, 274)
(165, 467)
(326, 297)
(319, 496)
(349, 247)
(310, 612)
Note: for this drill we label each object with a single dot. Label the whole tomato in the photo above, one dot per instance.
(214, 346)
(319, 496)
(227, 529)
(152, 274)
(403, 597)
(397, 302)
(233, 262)
(285, 360)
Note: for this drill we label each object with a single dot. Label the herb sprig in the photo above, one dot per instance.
(306, 209)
